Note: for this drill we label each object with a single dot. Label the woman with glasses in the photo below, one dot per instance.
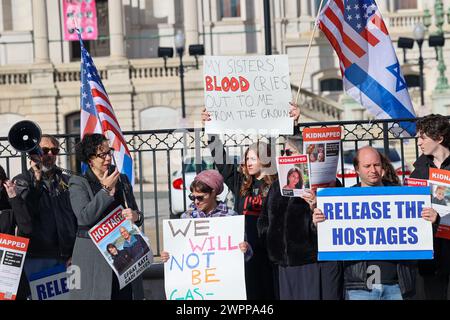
(101, 189)
(286, 225)
(205, 189)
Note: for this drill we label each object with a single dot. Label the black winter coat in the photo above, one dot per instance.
(53, 222)
(286, 223)
(441, 262)
(355, 272)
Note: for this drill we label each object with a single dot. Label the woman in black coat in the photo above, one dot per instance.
(291, 237)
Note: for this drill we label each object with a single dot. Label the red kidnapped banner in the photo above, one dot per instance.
(107, 226)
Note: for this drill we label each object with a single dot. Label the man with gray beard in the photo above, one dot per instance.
(44, 187)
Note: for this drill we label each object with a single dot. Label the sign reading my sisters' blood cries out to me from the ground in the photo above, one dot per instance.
(248, 93)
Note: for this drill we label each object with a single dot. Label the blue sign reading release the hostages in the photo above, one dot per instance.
(374, 223)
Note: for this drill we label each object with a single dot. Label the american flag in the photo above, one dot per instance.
(97, 114)
(370, 69)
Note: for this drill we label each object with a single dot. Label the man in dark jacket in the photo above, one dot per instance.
(45, 190)
(434, 143)
(397, 277)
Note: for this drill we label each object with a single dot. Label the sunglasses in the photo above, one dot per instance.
(103, 155)
(286, 152)
(199, 198)
(54, 151)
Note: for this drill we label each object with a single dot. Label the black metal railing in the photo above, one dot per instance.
(163, 157)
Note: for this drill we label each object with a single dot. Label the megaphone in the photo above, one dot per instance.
(24, 136)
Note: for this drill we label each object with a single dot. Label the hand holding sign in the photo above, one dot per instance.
(318, 216)
(429, 214)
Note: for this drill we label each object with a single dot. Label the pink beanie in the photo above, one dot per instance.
(212, 178)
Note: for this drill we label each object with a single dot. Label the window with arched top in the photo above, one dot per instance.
(333, 84)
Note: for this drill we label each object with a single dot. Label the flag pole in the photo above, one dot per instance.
(309, 51)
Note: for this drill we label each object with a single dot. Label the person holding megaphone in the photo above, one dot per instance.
(44, 188)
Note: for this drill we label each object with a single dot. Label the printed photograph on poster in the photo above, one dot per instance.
(293, 175)
(322, 145)
(439, 181)
(440, 201)
(123, 246)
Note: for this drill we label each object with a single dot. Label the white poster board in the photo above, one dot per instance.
(205, 260)
(248, 93)
(374, 223)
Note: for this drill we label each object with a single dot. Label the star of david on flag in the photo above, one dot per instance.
(97, 114)
(370, 69)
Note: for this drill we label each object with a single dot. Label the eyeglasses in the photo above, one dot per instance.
(103, 155)
(54, 151)
(199, 198)
(286, 152)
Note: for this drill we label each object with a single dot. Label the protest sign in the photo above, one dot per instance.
(248, 93)
(50, 284)
(12, 256)
(440, 199)
(293, 175)
(374, 223)
(80, 14)
(205, 260)
(322, 145)
(412, 182)
(123, 246)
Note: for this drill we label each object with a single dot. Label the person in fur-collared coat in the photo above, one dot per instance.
(291, 239)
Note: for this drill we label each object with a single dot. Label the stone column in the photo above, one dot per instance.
(190, 13)
(383, 5)
(391, 5)
(41, 51)
(116, 41)
(304, 8)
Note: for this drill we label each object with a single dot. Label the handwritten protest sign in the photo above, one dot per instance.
(205, 260)
(440, 199)
(12, 256)
(50, 284)
(123, 246)
(81, 14)
(374, 223)
(322, 145)
(248, 93)
(293, 175)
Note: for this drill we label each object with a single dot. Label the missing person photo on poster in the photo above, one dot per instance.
(322, 145)
(293, 175)
(123, 246)
(439, 182)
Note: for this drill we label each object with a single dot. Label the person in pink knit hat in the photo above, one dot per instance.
(205, 188)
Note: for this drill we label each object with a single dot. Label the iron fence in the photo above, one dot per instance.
(162, 157)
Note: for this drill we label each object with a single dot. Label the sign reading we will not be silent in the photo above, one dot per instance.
(248, 93)
(205, 260)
